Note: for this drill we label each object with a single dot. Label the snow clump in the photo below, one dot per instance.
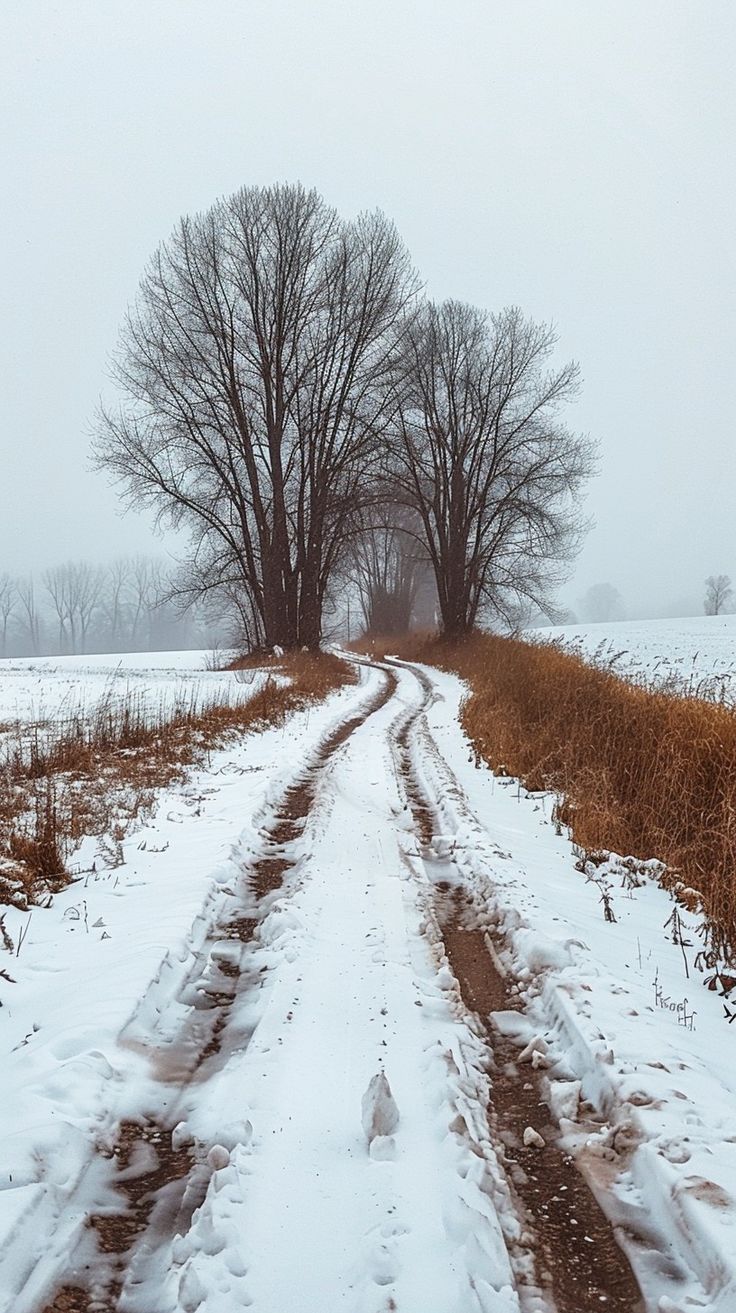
(380, 1113)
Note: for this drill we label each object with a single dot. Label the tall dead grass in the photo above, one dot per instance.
(639, 771)
(96, 773)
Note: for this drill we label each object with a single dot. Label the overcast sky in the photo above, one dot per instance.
(570, 156)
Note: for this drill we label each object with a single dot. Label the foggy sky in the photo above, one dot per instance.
(571, 157)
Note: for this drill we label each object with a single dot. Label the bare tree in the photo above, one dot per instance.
(252, 372)
(602, 602)
(8, 603)
(75, 589)
(31, 618)
(145, 591)
(718, 593)
(116, 589)
(86, 582)
(56, 581)
(229, 607)
(484, 461)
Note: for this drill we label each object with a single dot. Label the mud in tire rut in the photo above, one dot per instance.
(160, 1184)
(577, 1261)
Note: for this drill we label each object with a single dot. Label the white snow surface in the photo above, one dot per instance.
(348, 980)
(699, 652)
(48, 689)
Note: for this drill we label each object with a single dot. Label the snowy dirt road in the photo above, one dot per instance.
(240, 1159)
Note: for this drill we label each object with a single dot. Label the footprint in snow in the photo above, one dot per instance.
(383, 1262)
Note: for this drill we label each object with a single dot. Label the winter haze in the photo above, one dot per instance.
(570, 158)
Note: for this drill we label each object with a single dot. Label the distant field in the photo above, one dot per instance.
(49, 689)
(694, 654)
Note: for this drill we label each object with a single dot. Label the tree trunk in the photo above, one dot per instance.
(310, 610)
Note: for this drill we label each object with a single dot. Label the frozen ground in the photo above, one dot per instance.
(273, 942)
(42, 689)
(699, 652)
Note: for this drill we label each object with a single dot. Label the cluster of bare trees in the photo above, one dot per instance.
(319, 429)
(78, 607)
(387, 568)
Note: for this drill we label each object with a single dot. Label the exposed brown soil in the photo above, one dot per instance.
(421, 811)
(70, 1299)
(241, 927)
(268, 874)
(578, 1258)
(150, 1175)
(160, 1183)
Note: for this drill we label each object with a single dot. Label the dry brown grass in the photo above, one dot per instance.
(639, 772)
(97, 773)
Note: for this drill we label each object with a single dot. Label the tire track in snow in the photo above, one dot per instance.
(157, 1180)
(576, 1260)
(313, 1218)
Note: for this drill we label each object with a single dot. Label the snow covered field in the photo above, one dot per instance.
(43, 689)
(698, 652)
(272, 943)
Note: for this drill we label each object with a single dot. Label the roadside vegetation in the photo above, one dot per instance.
(98, 772)
(641, 772)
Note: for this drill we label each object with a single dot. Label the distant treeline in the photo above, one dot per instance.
(77, 607)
